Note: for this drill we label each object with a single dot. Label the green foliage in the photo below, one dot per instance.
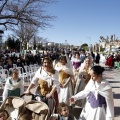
(84, 46)
(12, 43)
(102, 49)
(17, 44)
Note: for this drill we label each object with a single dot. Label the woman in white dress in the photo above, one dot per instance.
(99, 105)
(76, 61)
(46, 80)
(83, 78)
(65, 79)
(76, 65)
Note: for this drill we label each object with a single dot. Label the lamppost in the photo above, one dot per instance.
(89, 42)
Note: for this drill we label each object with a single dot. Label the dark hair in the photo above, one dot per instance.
(12, 71)
(3, 110)
(25, 117)
(77, 53)
(98, 69)
(47, 58)
(63, 57)
(62, 104)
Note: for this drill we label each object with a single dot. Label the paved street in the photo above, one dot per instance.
(113, 76)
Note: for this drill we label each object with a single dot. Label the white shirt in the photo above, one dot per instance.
(103, 89)
(14, 85)
(42, 74)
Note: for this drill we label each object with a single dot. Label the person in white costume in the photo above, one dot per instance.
(100, 104)
(14, 85)
(76, 65)
(91, 58)
(83, 79)
(46, 78)
(65, 79)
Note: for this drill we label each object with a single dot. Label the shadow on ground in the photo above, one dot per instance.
(108, 69)
(76, 112)
(116, 96)
(117, 111)
(107, 77)
(114, 81)
(115, 86)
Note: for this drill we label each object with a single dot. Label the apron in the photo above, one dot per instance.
(14, 92)
(62, 76)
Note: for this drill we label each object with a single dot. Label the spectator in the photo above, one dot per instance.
(9, 64)
(20, 64)
(97, 58)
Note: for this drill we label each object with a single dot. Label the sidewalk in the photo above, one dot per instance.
(113, 76)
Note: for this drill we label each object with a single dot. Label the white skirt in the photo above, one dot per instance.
(65, 94)
(89, 113)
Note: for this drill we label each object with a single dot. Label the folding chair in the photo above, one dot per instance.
(1, 67)
(14, 65)
(4, 74)
(32, 71)
(26, 74)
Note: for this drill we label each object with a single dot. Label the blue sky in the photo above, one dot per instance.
(78, 19)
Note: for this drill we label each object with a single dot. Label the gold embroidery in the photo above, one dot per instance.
(88, 76)
(62, 76)
(44, 89)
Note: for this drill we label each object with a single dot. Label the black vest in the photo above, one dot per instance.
(70, 117)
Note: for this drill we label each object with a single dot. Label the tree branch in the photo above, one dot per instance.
(27, 11)
(3, 5)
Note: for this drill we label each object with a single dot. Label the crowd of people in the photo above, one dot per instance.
(111, 59)
(70, 78)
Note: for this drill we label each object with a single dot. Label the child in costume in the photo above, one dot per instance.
(63, 113)
(3, 114)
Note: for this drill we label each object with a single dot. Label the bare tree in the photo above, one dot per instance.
(13, 12)
(25, 32)
(41, 39)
